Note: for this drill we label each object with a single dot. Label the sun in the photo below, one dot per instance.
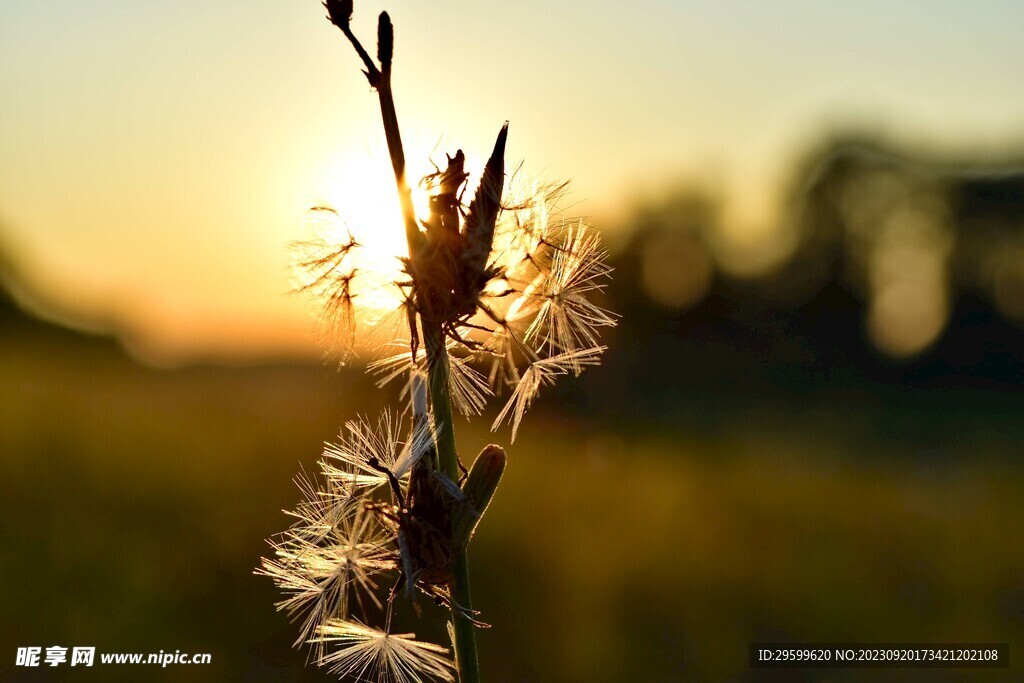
(351, 198)
(364, 205)
(368, 206)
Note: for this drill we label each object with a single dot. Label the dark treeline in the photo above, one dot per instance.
(903, 285)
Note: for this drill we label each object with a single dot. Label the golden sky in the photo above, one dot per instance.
(157, 157)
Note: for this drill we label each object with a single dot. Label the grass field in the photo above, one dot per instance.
(135, 503)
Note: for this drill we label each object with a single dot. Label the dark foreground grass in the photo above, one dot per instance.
(134, 504)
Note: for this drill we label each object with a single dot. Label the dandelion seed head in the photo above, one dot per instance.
(358, 284)
(350, 460)
(326, 558)
(467, 386)
(566, 319)
(542, 372)
(508, 278)
(371, 654)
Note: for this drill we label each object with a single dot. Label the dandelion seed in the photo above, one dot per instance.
(363, 449)
(508, 351)
(468, 387)
(395, 365)
(566, 319)
(527, 229)
(370, 654)
(319, 511)
(540, 373)
(319, 572)
(324, 267)
(361, 302)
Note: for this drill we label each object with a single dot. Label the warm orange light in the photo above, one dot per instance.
(361, 190)
(362, 193)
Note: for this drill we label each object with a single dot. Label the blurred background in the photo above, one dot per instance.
(808, 424)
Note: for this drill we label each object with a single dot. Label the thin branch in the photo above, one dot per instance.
(372, 72)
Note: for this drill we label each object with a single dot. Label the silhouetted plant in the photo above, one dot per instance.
(502, 285)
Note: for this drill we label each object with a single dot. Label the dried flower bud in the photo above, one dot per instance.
(385, 41)
(478, 489)
(339, 12)
(444, 204)
(483, 212)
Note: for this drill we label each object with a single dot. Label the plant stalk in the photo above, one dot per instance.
(397, 153)
(380, 80)
(441, 405)
(448, 462)
(437, 356)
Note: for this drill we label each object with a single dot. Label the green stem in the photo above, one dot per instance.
(441, 404)
(380, 79)
(448, 462)
(397, 153)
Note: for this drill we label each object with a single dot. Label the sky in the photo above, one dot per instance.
(156, 158)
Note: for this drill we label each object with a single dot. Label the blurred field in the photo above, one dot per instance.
(135, 503)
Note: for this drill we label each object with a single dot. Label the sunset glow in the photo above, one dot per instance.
(367, 209)
(158, 158)
(356, 199)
